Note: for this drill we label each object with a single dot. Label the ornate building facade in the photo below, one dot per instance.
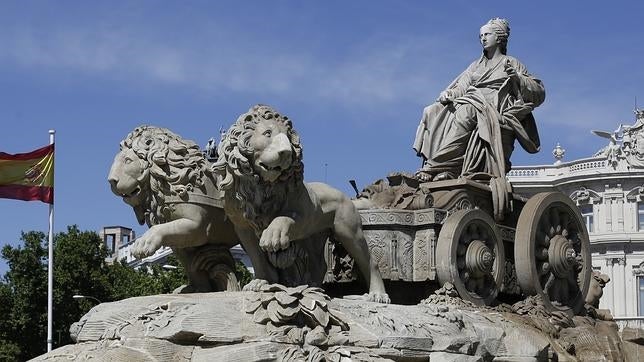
(608, 188)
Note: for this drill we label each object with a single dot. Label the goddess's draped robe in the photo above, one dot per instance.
(476, 132)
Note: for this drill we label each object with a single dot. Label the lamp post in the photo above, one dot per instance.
(78, 296)
(169, 267)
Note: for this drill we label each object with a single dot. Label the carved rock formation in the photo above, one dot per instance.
(302, 323)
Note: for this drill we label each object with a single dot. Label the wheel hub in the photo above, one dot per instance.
(561, 256)
(479, 259)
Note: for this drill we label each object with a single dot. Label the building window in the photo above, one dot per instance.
(640, 216)
(110, 243)
(640, 295)
(587, 215)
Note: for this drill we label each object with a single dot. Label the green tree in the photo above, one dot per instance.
(127, 282)
(242, 273)
(9, 350)
(79, 268)
(26, 291)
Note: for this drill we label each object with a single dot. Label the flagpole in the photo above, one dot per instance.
(50, 266)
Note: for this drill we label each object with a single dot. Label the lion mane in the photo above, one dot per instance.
(172, 165)
(259, 200)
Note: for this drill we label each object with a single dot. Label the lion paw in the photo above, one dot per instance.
(378, 297)
(255, 285)
(146, 245)
(276, 236)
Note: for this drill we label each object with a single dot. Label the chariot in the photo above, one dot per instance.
(540, 247)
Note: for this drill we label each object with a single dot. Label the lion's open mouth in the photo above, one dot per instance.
(131, 194)
(266, 167)
(270, 173)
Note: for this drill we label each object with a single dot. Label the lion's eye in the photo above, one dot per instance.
(267, 133)
(128, 160)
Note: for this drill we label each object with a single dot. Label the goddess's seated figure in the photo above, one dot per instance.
(473, 124)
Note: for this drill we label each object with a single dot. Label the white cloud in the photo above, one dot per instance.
(370, 74)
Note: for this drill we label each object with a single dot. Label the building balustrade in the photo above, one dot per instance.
(570, 168)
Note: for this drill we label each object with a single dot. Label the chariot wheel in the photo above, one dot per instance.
(552, 252)
(470, 255)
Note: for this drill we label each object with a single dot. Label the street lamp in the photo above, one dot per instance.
(78, 296)
(169, 267)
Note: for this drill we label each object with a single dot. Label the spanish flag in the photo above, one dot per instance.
(28, 176)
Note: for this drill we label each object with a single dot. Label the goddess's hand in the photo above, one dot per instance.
(512, 73)
(445, 97)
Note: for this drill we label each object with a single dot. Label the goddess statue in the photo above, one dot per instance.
(470, 130)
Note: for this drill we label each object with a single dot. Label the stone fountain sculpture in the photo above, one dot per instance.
(442, 233)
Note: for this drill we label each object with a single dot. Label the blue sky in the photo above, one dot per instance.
(354, 77)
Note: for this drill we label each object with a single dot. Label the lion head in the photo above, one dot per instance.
(154, 163)
(260, 158)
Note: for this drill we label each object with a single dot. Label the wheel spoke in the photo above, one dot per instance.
(565, 220)
(546, 241)
(544, 225)
(542, 254)
(554, 218)
(476, 235)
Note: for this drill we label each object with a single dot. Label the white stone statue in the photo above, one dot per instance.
(169, 184)
(281, 221)
(473, 124)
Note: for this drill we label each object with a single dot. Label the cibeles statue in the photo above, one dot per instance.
(471, 129)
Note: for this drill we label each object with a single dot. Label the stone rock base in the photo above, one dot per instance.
(296, 324)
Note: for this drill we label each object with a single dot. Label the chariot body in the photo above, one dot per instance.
(424, 235)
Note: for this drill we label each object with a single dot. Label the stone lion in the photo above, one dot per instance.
(281, 221)
(169, 184)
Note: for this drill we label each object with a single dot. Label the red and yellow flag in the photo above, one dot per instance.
(28, 176)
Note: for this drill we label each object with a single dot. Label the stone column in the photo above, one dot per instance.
(620, 214)
(621, 286)
(610, 293)
(609, 213)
